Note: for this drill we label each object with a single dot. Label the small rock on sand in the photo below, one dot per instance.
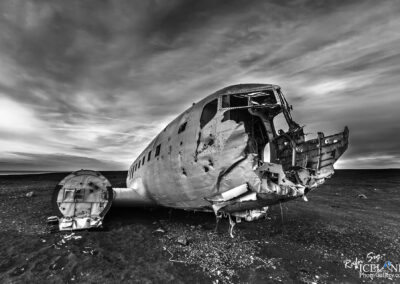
(159, 230)
(182, 240)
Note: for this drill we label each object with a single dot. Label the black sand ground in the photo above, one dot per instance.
(308, 243)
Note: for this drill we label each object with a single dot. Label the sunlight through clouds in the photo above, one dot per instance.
(17, 118)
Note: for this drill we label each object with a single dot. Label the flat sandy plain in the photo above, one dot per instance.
(301, 242)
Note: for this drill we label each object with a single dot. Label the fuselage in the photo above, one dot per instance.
(215, 145)
(172, 172)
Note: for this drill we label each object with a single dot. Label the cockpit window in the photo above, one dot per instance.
(234, 101)
(208, 113)
(263, 98)
(280, 123)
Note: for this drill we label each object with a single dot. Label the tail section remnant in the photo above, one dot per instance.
(81, 200)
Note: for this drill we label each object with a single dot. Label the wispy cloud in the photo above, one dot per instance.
(100, 79)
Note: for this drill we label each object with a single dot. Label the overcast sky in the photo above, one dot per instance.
(87, 84)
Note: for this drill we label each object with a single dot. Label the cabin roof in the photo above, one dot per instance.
(243, 88)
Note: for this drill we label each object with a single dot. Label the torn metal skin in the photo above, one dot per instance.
(296, 165)
(227, 154)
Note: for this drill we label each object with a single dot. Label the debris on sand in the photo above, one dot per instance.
(362, 196)
(218, 256)
(71, 237)
(52, 220)
(182, 240)
(159, 230)
(89, 250)
(30, 194)
(64, 239)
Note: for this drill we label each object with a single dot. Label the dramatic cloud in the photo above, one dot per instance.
(97, 80)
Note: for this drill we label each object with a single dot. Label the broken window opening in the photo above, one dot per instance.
(209, 111)
(266, 97)
(149, 156)
(182, 127)
(139, 165)
(144, 159)
(280, 124)
(254, 127)
(234, 101)
(286, 111)
(267, 153)
(158, 149)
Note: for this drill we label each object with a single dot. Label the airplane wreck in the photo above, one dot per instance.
(225, 154)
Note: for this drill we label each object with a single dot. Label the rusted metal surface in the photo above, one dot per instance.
(216, 147)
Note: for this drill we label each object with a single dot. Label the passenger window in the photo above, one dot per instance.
(208, 113)
(144, 158)
(158, 151)
(149, 156)
(139, 165)
(182, 127)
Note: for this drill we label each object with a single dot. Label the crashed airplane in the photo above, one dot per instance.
(226, 154)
